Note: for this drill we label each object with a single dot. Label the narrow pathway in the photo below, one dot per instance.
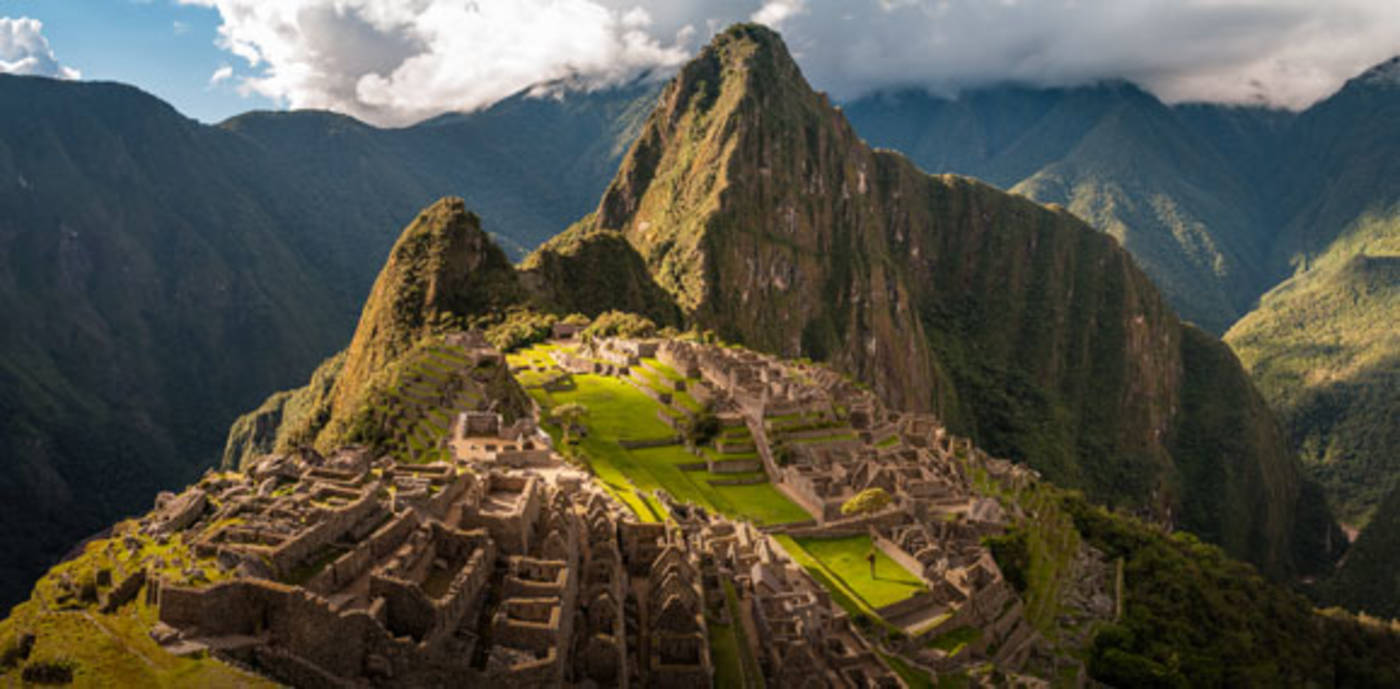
(120, 641)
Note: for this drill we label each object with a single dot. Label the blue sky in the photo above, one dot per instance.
(394, 62)
(141, 43)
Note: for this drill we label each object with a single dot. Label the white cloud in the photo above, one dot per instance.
(397, 61)
(394, 62)
(1284, 52)
(220, 75)
(774, 12)
(24, 50)
(179, 28)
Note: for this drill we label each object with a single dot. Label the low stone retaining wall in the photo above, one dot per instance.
(745, 481)
(908, 605)
(124, 591)
(856, 526)
(643, 443)
(672, 421)
(905, 560)
(734, 466)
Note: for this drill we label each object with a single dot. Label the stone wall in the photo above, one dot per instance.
(352, 565)
(336, 522)
(125, 590)
(644, 443)
(905, 560)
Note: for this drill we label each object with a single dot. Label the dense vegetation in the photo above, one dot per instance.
(580, 269)
(1367, 579)
(1324, 347)
(1187, 615)
(1196, 618)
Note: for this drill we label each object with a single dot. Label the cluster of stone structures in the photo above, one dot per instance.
(824, 439)
(353, 571)
(510, 567)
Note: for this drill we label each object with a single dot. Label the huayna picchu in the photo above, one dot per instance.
(783, 411)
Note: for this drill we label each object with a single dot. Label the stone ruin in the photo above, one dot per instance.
(507, 567)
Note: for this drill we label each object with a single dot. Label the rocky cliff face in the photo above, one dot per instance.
(754, 203)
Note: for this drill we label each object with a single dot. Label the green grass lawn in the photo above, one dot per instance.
(842, 561)
(616, 409)
(663, 369)
(724, 649)
(619, 411)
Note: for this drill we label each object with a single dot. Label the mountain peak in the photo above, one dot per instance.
(443, 268)
(1385, 75)
(748, 41)
(719, 120)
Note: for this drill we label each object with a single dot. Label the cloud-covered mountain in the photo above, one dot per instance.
(392, 62)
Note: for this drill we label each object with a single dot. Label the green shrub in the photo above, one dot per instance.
(51, 671)
(868, 501)
(621, 324)
(521, 328)
(1011, 550)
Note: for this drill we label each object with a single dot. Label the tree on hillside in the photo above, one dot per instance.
(868, 501)
(702, 427)
(567, 415)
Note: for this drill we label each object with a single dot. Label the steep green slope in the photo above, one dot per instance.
(1342, 162)
(1117, 157)
(578, 270)
(755, 204)
(159, 275)
(442, 271)
(1367, 578)
(137, 320)
(1324, 347)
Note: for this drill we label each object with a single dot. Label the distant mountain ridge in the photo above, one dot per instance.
(1217, 203)
(1265, 223)
(160, 276)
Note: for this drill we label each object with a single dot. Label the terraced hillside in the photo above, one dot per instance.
(634, 443)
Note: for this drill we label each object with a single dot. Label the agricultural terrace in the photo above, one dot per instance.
(618, 411)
